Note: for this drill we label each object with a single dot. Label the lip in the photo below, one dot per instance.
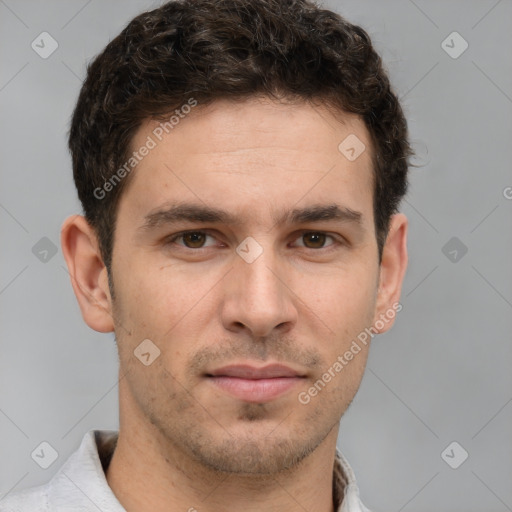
(253, 384)
(246, 371)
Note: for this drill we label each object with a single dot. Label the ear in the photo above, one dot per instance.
(392, 272)
(88, 274)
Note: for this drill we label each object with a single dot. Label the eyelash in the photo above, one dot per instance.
(336, 240)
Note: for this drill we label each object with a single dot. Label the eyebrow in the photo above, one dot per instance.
(198, 213)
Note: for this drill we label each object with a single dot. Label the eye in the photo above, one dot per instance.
(315, 240)
(191, 239)
(197, 240)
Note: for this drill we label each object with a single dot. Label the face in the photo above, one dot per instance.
(245, 251)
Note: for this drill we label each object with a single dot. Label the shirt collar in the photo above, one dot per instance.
(83, 478)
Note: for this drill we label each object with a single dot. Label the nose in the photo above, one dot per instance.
(258, 298)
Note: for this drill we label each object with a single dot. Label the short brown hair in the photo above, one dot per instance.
(213, 49)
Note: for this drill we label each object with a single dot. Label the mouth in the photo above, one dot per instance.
(256, 385)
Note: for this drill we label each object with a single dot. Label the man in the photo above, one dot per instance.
(240, 164)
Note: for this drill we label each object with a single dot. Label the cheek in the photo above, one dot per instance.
(343, 301)
(167, 306)
(155, 297)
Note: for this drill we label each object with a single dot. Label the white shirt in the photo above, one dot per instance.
(80, 484)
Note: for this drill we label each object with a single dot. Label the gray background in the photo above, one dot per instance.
(442, 374)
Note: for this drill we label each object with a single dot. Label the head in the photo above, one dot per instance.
(240, 164)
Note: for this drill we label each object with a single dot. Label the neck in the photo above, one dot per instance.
(147, 473)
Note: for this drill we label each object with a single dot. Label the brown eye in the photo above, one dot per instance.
(316, 240)
(194, 239)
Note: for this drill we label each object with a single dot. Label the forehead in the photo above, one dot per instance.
(254, 158)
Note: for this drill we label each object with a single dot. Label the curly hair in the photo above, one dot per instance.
(218, 49)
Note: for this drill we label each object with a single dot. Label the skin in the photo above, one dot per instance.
(183, 441)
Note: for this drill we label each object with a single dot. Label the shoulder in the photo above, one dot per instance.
(78, 485)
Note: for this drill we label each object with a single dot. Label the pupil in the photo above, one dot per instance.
(318, 238)
(195, 238)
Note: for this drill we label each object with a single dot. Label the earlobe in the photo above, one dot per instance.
(88, 273)
(392, 272)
